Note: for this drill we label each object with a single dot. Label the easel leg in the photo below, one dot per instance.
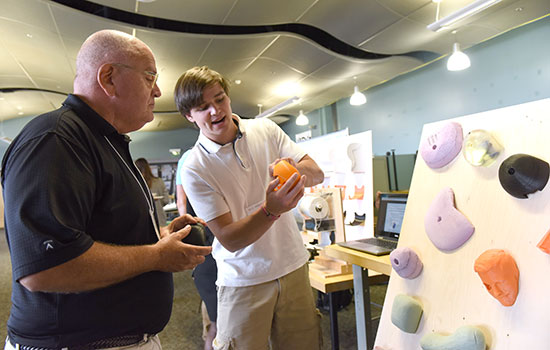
(335, 341)
(363, 319)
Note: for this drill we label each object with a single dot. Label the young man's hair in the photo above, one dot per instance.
(188, 90)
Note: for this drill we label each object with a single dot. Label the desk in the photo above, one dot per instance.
(328, 285)
(362, 263)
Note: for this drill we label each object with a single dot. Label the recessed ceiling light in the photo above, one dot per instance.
(20, 113)
(238, 81)
(288, 88)
(28, 35)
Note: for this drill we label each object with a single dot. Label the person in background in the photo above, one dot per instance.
(157, 187)
(90, 267)
(264, 295)
(204, 275)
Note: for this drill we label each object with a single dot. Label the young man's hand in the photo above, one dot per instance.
(286, 197)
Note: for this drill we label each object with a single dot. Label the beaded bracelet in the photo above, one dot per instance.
(269, 215)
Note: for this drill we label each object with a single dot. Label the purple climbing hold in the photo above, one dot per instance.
(441, 147)
(406, 262)
(447, 228)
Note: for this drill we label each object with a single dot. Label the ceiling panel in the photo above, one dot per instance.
(262, 61)
(298, 54)
(175, 49)
(27, 103)
(514, 14)
(357, 21)
(28, 12)
(167, 121)
(234, 53)
(366, 75)
(392, 41)
(406, 8)
(8, 64)
(15, 81)
(196, 11)
(77, 26)
(254, 12)
(58, 83)
(427, 14)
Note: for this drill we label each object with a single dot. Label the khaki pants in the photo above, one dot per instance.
(280, 314)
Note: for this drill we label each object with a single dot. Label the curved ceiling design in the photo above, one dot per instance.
(8, 90)
(317, 35)
(316, 50)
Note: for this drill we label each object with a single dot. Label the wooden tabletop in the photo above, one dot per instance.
(330, 284)
(372, 262)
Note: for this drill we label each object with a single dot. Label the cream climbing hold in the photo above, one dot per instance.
(464, 338)
(406, 313)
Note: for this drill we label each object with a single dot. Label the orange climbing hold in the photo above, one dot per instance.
(284, 170)
(544, 243)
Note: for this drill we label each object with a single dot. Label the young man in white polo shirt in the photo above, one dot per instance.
(264, 295)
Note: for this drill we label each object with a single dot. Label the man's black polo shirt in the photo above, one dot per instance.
(65, 187)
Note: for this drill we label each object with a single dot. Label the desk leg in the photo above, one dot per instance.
(333, 323)
(363, 320)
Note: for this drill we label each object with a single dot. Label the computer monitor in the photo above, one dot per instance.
(390, 215)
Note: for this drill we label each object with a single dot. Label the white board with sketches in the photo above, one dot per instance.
(347, 163)
(451, 293)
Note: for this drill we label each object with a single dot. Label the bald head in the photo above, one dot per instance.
(105, 46)
(116, 77)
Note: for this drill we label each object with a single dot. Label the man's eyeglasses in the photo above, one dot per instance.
(153, 76)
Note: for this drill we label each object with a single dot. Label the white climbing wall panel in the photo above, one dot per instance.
(451, 293)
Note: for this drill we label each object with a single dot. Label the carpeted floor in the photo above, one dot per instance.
(184, 331)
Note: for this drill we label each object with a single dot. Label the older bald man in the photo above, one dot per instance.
(91, 267)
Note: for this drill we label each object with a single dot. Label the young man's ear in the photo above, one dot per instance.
(105, 79)
(189, 117)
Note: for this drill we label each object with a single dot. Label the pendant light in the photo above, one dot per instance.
(357, 98)
(458, 60)
(302, 119)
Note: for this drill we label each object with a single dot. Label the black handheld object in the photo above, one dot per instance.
(197, 236)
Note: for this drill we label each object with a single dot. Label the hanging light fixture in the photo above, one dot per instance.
(458, 60)
(302, 119)
(357, 98)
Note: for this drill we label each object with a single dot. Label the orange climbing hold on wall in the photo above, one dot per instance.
(500, 275)
(544, 243)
